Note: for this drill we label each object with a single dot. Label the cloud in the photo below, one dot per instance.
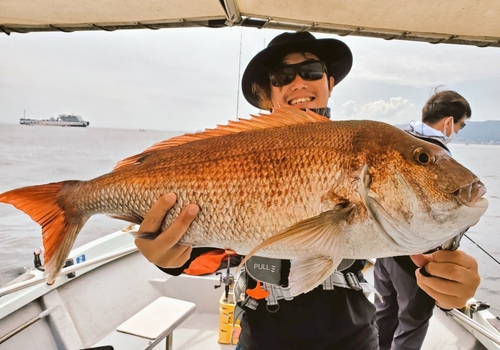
(348, 109)
(421, 64)
(395, 111)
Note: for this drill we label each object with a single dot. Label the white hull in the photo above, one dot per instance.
(61, 120)
(85, 311)
(52, 123)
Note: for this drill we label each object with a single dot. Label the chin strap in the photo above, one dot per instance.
(325, 112)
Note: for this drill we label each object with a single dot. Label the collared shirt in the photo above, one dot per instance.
(427, 133)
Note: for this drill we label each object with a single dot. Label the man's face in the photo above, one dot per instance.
(301, 93)
(449, 124)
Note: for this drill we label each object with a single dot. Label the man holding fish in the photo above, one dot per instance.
(301, 197)
(300, 71)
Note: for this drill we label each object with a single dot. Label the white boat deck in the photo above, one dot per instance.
(85, 312)
(198, 332)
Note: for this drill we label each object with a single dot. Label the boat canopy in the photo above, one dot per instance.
(445, 21)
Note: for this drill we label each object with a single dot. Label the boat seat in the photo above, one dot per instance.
(148, 327)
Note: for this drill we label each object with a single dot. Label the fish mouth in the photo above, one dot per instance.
(472, 195)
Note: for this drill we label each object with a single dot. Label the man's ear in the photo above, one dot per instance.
(331, 83)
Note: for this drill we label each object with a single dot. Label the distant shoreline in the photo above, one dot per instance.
(479, 132)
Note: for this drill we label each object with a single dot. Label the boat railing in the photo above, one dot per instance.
(460, 316)
(67, 270)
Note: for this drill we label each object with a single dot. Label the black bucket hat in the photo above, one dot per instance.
(335, 53)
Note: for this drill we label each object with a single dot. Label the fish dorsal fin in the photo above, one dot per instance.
(282, 116)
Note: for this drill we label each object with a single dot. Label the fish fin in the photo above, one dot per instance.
(321, 234)
(45, 206)
(133, 218)
(282, 116)
(307, 274)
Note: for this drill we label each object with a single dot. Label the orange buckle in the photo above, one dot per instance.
(257, 293)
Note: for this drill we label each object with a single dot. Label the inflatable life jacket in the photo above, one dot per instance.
(271, 276)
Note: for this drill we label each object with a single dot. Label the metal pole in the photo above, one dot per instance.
(239, 75)
(25, 325)
(475, 325)
(168, 342)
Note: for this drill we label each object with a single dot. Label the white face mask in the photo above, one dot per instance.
(447, 139)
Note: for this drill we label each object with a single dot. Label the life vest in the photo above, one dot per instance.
(272, 282)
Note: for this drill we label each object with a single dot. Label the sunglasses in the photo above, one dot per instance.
(307, 70)
(462, 125)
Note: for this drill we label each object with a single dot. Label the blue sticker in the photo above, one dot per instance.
(80, 259)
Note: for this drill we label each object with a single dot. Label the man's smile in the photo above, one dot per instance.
(295, 101)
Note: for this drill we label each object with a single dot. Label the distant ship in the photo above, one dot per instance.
(61, 120)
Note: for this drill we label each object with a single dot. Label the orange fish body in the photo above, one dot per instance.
(289, 185)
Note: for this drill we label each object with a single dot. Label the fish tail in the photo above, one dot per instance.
(48, 205)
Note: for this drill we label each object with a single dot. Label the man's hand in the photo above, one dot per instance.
(454, 280)
(164, 251)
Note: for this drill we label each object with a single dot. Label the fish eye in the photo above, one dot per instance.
(423, 157)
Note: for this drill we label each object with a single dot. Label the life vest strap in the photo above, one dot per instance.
(338, 279)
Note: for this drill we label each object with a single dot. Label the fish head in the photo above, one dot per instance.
(419, 195)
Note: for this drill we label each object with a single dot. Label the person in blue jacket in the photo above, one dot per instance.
(403, 316)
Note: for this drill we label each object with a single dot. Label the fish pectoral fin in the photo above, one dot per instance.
(321, 234)
(307, 274)
(135, 219)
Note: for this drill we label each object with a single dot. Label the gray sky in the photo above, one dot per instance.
(188, 79)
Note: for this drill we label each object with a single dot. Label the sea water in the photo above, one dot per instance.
(32, 155)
